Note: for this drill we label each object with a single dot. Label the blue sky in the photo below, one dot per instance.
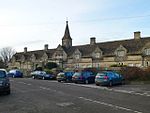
(33, 23)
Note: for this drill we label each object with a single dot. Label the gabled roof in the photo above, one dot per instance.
(38, 54)
(108, 48)
(133, 46)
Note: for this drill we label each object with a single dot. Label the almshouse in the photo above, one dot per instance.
(131, 52)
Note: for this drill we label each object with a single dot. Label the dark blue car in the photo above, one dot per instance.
(83, 77)
(109, 78)
(4, 82)
(15, 73)
(41, 75)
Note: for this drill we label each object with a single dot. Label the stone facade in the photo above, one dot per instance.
(132, 52)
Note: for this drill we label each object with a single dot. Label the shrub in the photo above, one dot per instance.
(48, 71)
(147, 73)
(55, 71)
(51, 65)
(39, 69)
(133, 73)
(117, 65)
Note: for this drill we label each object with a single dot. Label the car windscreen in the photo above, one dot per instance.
(69, 73)
(12, 71)
(101, 74)
(2, 74)
(77, 74)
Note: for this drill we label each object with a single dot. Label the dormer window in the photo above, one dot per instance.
(97, 55)
(147, 51)
(120, 53)
(59, 56)
(77, 56)
(33, 58)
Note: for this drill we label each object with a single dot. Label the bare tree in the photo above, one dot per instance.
(6, 54)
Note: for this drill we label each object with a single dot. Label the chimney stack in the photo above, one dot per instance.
(137, 35)
(25, 50)
(92, 40)
(46, 47)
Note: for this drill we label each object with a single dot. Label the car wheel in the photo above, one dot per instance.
(59, 80)
(86, 82)
(8, 92)
(75, 82)
(13, 76)
(123, 82)
(97, 84)
(33, 77)
(67, 80)
(110, 84)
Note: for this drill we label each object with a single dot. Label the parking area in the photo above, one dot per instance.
(30, 95)
(136, 89)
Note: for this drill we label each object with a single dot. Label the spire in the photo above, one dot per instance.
(67, 33)
(66, 40)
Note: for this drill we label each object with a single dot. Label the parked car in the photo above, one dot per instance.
(4, 82)
(65, 76)
(109, 78)
(83, 77)
(42, 75)
(15, 73)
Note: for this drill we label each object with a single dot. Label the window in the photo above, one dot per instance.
(77, 65)
(97, 55)
(59, 56)
(98, 65)
(33, 58)
(137, 65)
(147, 51)
(130, 64)
(120, 53)
(147, 63)
(120, 63)
(77, 56)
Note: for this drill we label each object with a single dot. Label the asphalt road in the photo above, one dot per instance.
(45, 96)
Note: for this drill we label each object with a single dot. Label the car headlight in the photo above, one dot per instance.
(7, 84)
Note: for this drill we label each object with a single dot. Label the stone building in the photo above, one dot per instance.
(131, 52)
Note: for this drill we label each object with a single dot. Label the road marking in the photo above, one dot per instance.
(110, 105)
(53, 90)
(25, 83)
(29, 84)
(44, 88)
(11, 80)
(110, 89)
(22, 82)
(65, 104)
